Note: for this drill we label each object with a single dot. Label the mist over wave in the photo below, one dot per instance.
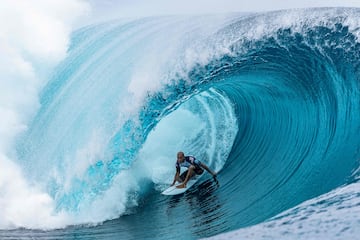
(270, 100)
(34, 38)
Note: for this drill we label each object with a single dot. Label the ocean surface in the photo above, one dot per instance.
(271, 101)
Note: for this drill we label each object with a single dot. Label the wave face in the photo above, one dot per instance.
(270, 101)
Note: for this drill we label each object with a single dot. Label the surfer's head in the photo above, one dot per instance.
(180, 156)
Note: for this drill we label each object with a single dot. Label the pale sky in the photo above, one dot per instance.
(138, 8)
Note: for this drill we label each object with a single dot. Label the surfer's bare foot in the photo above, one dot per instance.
(181, 186)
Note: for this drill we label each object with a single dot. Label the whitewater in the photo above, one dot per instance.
(270, 101)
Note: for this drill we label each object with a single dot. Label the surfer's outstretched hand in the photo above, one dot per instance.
(214, 177)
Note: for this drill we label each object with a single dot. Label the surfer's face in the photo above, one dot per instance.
(180, 157)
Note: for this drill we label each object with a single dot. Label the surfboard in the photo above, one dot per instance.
(173, 190)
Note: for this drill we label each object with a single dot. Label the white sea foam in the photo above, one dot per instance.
(34, 36)
(334, 215)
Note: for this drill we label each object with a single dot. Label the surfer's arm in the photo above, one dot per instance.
(176, 177)
(208, 169)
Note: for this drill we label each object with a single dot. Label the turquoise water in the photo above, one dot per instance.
(270, 101)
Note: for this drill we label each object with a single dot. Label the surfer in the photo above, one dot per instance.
(194, 167)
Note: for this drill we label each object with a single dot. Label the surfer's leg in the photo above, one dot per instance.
(208, 169)
(182, 177)
(190, 173)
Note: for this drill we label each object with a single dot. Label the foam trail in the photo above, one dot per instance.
(334, 214)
